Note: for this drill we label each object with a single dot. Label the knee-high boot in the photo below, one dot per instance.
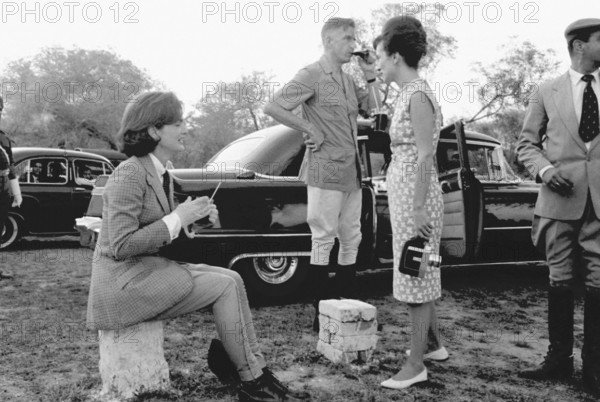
(320, 276)
(591, 341)
(558, 363)
(345, 281)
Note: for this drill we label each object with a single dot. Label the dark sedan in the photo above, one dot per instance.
(56, 185)
(262, 204)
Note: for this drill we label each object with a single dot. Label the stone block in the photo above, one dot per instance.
(347, 310)
(132, 360)
(331, 327)
(354, 343)
(338, 356)
(347, 330)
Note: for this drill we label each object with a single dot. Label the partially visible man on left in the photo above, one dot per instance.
(9, 185)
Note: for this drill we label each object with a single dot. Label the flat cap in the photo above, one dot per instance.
(579, 25)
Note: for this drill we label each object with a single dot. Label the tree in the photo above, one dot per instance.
(511, 82)
(227, 111)
(70, 97)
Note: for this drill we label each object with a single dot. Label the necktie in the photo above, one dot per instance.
(589, 126)
(167, 185)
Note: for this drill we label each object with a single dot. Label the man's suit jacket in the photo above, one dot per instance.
(551, 113)
(130, 282)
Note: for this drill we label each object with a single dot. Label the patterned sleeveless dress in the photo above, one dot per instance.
(401, 178)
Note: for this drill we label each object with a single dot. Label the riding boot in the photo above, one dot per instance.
(591, 341)
(345, 281)
(320, 277)
(558, 363)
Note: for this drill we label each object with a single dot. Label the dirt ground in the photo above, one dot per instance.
(492, 319)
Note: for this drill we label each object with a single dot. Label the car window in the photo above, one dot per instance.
(43, 170)
(22, 171)
(481, 160)
(86, 171)
(447, 157)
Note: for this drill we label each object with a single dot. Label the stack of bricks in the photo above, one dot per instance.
(347, 330)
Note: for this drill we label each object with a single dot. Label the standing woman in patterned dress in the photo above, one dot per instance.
(414, 193)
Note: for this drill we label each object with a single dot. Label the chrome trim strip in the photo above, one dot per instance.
(482, 264)
(487, 264)
(271, 254)
(208, 235)
(508, 228)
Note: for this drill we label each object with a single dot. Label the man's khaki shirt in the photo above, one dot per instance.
(331, 104)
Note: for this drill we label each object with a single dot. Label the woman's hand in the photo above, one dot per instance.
(423, 226)
(190, 210)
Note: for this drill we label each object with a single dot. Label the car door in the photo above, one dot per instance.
(47, 198)
(463, 197)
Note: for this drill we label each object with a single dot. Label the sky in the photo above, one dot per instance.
(190, 45)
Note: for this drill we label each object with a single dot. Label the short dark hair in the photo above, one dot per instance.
(406, 36)
(582, 35)
(336, 23)
(151, 109)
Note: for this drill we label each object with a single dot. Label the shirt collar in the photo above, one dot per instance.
(160, 169)
(576, 76)
(325, 64)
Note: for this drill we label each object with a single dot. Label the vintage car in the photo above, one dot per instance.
(56, 185)
(262, 205)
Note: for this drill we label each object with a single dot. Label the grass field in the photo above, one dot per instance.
(493, 323)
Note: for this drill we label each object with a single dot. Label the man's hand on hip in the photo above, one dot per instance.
(313, 139)
(557, 182)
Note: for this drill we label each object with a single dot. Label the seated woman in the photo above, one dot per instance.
(132, 283)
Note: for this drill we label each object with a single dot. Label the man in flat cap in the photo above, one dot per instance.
(560, 146)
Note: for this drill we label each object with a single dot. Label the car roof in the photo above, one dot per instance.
(20, 153)
(108, 153)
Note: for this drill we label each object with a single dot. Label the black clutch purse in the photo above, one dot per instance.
(416, 256)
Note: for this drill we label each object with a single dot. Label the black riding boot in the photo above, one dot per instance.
(345, 281)
(591, 341)
(558, 363)
(320, 277)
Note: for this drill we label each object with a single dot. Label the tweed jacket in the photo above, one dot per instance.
(130, 282)
(550, 135)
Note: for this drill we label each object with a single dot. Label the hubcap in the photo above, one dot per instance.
(275, 270)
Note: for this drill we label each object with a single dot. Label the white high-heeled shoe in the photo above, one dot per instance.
(395, 384)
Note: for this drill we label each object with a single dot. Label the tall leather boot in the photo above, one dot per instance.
(558, 363)
(345, 281)
(591, 341)
(320, 276)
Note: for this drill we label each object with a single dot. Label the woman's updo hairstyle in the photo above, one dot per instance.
(406, 36)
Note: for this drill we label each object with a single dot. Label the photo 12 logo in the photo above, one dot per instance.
(268, 11)
(69, 11)
(474, 11)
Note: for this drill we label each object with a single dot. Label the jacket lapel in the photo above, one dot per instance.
(154, 182)
(563, 100)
